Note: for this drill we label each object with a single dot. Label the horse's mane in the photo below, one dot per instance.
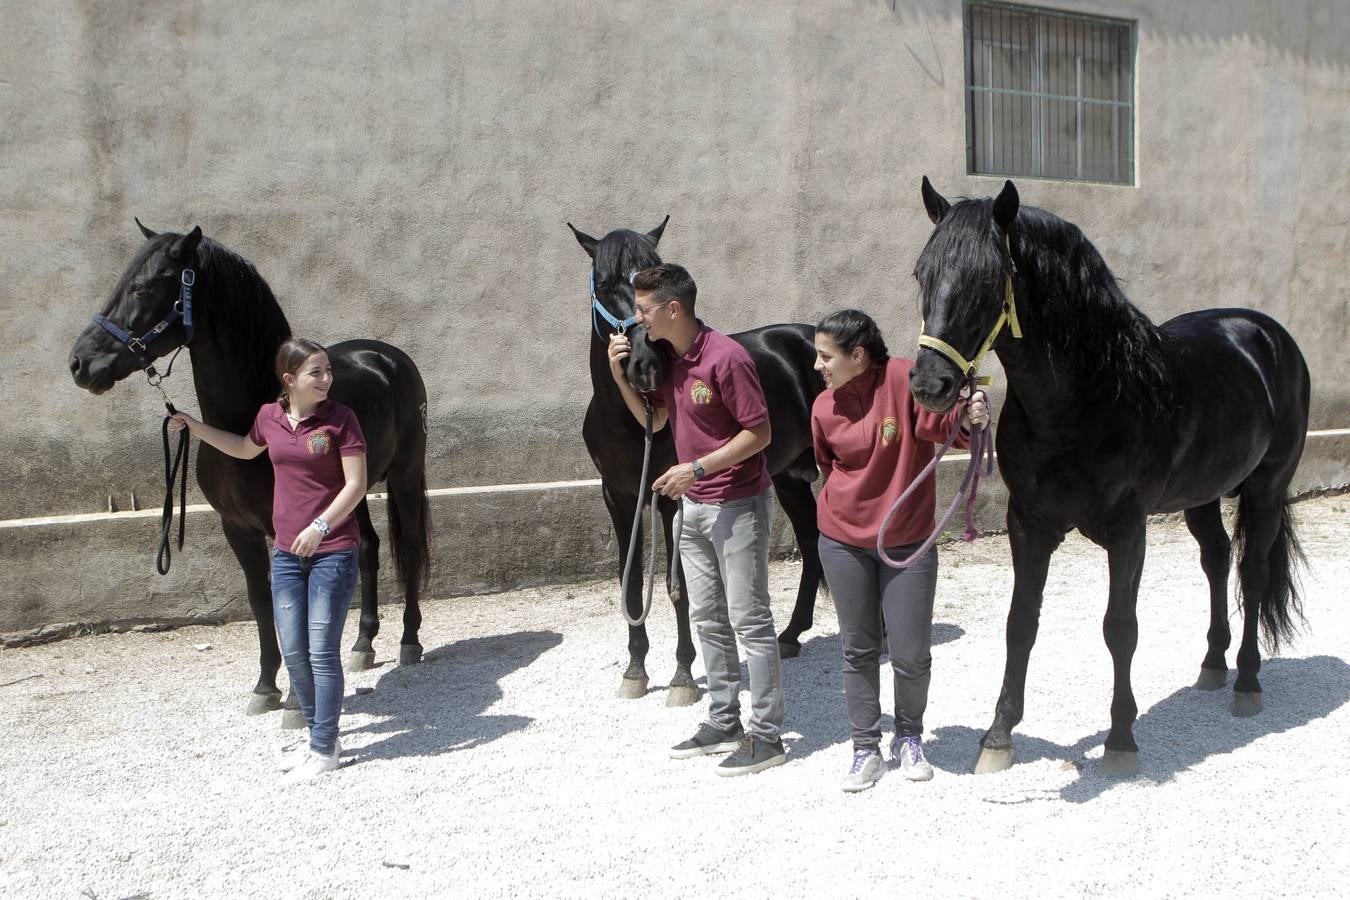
(237, 307)
(624, 252)
(1066, 295)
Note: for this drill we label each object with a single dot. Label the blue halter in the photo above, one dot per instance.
(181, 309)
(596, 308)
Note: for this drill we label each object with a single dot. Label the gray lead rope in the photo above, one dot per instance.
(651, 527)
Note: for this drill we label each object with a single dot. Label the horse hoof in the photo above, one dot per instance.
(261, 703)
(361, 661)
(292, 718)
(789, 651)
(683, 695)
(991, 761)
(1120, 762)
(1211, 679)
(409, 654)
(1247, 704)
(632, 688)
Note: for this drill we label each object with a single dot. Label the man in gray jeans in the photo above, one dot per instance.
(713, 400)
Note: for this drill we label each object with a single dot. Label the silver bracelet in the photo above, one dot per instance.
(320, 526)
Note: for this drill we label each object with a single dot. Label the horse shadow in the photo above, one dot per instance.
(440, 706)
(813, 690)
(1178, 733)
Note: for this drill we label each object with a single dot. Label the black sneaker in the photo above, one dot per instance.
(708, 740)
(753, 755)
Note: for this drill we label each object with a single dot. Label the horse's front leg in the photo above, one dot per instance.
(1031, 560)
(1120, 627)
(683, 691)
(621, 509)
(250, 548)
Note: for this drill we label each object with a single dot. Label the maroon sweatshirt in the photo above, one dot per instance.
(871, 440)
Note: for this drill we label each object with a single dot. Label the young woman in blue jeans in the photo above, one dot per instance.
(318, 455)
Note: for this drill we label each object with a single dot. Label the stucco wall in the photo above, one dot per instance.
(405, 173)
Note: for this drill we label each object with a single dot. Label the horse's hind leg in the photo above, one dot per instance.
(368, 558)
(1031, 561)
(795, 496)
(1259, 525)
(683, 690)
(250, 548)
(410, 530)
(1206, 526)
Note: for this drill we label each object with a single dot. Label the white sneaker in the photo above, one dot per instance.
(866, 770)
(908, 751)
(294, 753)
(312, 766)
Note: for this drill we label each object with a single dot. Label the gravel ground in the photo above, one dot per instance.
(504, 766)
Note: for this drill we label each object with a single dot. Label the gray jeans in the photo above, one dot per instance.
(866, 591)
(724, 549)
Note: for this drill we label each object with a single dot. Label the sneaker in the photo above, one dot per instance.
(708, 740)
(866, 770)
(753, 755)
(294, 754)
(313, 765)
(909, 752)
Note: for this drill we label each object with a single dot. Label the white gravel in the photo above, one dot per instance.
(504, 766)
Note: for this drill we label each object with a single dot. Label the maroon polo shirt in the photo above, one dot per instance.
(871, 440)
(713, 394)
(307, 461)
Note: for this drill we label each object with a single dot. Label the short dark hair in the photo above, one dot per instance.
(668, 281)
(850, 328)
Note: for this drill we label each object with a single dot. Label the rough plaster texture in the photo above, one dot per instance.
(404, 172)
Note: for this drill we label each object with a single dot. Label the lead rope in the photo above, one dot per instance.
(981, 445)
(643, 490)
(175, 471)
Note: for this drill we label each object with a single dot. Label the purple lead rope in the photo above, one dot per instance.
(981, 445)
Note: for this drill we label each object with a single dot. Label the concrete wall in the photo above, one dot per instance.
(405, 172)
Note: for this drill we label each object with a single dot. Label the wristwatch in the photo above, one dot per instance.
(320, 526)
(698, 470)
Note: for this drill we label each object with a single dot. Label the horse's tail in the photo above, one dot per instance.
(410, 517)
(1279, 605)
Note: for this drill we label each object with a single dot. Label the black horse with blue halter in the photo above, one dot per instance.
(598, 308)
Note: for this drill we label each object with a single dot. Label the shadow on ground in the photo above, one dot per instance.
(1176, 734)
(440, 705)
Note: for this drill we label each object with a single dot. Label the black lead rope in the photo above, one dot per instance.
(175, 471)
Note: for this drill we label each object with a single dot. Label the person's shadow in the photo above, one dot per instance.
(1174, 735)
(813, 690)
(439, 706)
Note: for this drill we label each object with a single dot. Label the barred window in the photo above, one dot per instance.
(1049, 94)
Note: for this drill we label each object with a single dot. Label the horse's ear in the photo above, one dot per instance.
(186, 246)
(934, 202)
(655, 233)
(1005, 205)
(587, 242)
(145, 231)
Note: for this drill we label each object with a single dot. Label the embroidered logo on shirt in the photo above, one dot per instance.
(319, 442)
(700, 393)
(890, 431)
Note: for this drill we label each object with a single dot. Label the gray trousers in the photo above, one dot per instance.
(724, 548)
(866, 591)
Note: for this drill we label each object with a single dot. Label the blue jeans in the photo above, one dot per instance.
(724, 549)
(310, 599)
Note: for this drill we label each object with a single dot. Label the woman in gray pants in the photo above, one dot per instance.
(871, 440)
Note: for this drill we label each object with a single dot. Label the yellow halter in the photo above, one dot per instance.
(1008, 316)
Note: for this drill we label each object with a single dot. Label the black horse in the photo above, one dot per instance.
(1109, 418)
(237, 327)
(784, 356)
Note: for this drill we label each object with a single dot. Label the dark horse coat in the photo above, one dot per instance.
(784, 357)
(1109, 418)
(238, 328)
